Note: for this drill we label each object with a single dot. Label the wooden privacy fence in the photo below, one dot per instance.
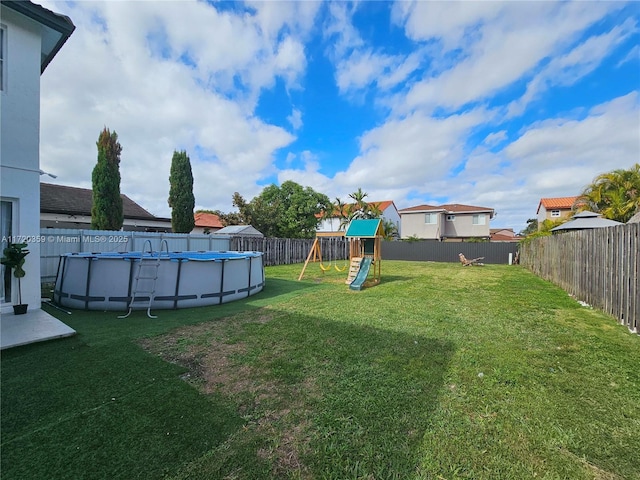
(600, 267)
(284, 251)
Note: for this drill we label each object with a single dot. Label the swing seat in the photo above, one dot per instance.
(323, 268)
(344, 267)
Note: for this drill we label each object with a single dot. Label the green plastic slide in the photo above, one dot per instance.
(362, 274)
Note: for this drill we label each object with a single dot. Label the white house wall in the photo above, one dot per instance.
(19, 146)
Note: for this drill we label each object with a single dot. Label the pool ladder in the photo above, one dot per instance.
(146, 277)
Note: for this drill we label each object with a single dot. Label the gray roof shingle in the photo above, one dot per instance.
(78, 201)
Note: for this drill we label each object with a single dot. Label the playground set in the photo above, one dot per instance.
(364, 253)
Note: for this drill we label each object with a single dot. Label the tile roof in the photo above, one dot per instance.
(420, 208)
(383, 205)
(207, 220)
(78, 201)
(503, 235)
(449, 208)
(559, 203)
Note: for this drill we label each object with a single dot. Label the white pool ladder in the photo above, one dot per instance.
(147, 276)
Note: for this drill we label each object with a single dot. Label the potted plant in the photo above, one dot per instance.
(13, 258)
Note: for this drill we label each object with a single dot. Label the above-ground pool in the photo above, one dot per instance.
(107, 281)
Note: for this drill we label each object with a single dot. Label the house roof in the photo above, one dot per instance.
(239, 230)
(503, 235)
(557, 203)
(365, 228)
(56, 28)
(586, 220)
(448, 208)
(78, 201)
(207, 220)
(383, 205)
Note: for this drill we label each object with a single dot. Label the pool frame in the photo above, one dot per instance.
(105, 281)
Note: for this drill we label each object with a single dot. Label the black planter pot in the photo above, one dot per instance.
(20, 309)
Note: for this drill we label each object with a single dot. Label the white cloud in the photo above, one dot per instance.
(124, 68)
(495, 138)
(295, 119)
(565, 70)
(449, 22)
(410, 151)
(607, 138)
(500, 43)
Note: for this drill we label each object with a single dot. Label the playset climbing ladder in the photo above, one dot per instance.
(144, 286)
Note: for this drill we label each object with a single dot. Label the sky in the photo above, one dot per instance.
(483, 103)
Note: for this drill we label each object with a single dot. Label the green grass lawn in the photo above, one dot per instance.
(438, 372)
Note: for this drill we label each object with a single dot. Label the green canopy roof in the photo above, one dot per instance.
(365, 228)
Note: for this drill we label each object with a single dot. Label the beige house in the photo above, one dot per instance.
(554, 209)
(451, 222)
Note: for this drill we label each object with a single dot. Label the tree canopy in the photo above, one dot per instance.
(181, 198)
(285, 211)
(616, 194)
(106, 210)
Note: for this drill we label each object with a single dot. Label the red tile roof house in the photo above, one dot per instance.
(504, 235)
(450, 223)
(558, 208)
(206, 223)
(387, 207)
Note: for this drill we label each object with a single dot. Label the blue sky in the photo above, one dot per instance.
(493, 104)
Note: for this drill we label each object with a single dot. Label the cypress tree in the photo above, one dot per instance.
(106, 210)
(181, 199)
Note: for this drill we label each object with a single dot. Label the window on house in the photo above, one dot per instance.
(479, 219)
(555, 213)
(3, 56)
(6, 221)
(430, 218)
(451, 218)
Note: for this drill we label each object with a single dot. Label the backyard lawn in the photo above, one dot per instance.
(438, 372)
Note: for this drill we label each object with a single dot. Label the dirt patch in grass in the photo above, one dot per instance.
(214, 359)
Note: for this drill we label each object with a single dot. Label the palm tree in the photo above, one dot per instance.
(390, 230)
(616, 194)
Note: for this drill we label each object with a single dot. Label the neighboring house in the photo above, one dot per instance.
(451, 222)
(239, 230)
(70, 207)
(30, 37)
(504, 235)
(387, 207)
(206, 223)
(555, 209)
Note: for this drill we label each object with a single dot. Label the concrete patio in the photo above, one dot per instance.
(34, 326)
